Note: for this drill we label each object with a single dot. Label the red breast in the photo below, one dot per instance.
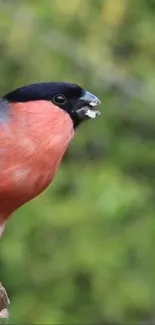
(32, 145)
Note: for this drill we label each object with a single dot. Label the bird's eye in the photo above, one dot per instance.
(59, 99)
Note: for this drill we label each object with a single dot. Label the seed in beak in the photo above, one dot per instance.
(92, 113)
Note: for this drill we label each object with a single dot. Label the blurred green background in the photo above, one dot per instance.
(83, 252)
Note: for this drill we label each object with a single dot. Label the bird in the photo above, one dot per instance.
(37, 123)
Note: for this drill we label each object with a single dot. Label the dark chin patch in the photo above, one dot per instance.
(77, 117)
(76, 121)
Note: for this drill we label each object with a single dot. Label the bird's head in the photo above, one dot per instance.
(80, 104)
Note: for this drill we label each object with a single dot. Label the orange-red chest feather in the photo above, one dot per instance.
(32, 144)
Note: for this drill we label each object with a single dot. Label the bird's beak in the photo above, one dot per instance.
(88, 106)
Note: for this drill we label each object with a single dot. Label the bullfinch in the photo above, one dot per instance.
(37, 123)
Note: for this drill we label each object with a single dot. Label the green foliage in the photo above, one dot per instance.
(83, 252)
